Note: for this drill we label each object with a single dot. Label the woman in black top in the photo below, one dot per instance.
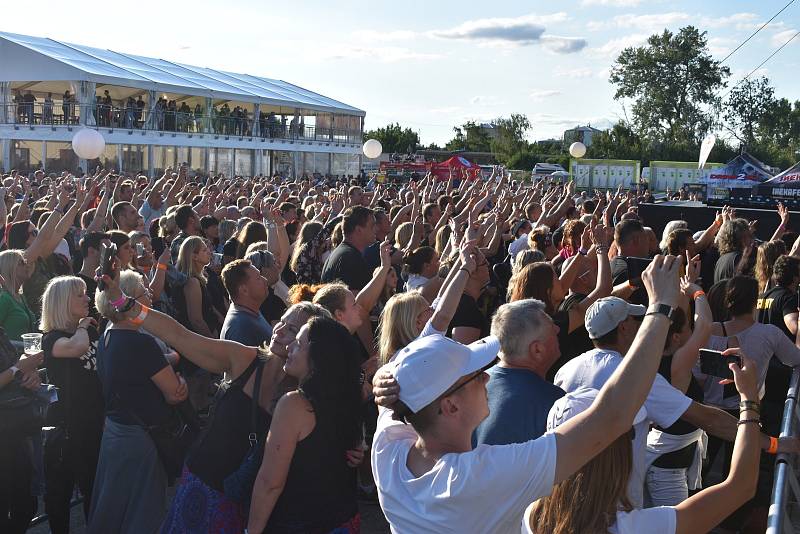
(675, 449)
(305, 484)
(224, 445)
(139, 386)
(71, 451)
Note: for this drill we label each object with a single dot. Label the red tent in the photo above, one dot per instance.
(461, 167)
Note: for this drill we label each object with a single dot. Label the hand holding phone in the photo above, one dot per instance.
(715, 363)
(107, 253)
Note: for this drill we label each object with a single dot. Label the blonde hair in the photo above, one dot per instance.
(190, 246)
(398, 323)
(332, 297)
(55, 303)
(9, 269)
(589, 500)
(402, 236)
(128, 282)
(167, 225)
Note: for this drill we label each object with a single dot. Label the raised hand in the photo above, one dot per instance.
(661, 280)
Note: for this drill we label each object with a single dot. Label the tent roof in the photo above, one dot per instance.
(458, 161)
(27, 58)
(790, 176)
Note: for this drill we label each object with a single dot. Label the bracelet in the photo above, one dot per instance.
(749, 405)
(119, 302)
(161, 266)
(583, 251)
(698, 293)
(139, 319)
(745, 421)
(773, 445)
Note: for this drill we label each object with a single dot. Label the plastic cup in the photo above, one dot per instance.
(32, 342)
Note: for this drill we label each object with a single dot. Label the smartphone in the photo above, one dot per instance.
(107, 253)
(636, 266)
(139, 250)
(714, 363)
(158, 246)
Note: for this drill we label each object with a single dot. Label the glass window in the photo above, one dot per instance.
(60, 157)
(182, 153)
(244, 162)
(26, 156)
(134, 158)
(197, 159)
(224, 161)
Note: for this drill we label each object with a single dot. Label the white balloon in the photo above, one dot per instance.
(88, 143)
(372, 148)
(577, 149)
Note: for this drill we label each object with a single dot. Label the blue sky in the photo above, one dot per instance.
(433, 64)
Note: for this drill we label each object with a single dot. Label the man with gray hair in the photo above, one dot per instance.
(519, 396)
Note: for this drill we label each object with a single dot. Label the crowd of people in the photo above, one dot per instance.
(474, 355)
(166, 115)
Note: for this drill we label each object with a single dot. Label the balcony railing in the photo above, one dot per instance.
(172, 120)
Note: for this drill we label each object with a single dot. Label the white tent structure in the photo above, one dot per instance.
(294, 120)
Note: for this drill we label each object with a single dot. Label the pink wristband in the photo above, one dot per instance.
(119, 302)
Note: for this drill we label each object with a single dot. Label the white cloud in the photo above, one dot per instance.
(739, 21)
(482, 100)
(518, 31)
(373, 35)
(611, 3)
(781, 37)
(564, 45)
(446, 110)
(573, 73)
(649, 22)
(613, 47)
(384, 54)
(545, 93)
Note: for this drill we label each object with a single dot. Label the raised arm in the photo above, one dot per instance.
(704, 510)
(369, 295)
(603, 287)
(581, 438)
(453, 287)
(685, 357)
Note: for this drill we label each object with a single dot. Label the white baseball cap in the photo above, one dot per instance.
(605, 315)
(576, 402)
(430, 365)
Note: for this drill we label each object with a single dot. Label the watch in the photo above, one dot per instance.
(15, 372)
(663, 309)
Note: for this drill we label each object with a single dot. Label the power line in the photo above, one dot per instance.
(792, 38)
(756, 32)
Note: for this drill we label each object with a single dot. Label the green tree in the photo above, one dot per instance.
(672, 81)
(394, 138)
(509, 139)
(747, 107)
(469, 137)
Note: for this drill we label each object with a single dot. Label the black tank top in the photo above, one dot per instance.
(223, 446)
(320, 490)
(681, 458)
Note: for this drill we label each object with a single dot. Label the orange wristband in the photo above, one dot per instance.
(773, 445)
(139, 319)
(161, 266)
(698, 293)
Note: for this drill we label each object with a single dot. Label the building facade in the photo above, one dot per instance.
(155, 114)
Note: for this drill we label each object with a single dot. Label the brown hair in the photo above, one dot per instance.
(535, 281)
(768, 253)
(234, 275)
(303, 292)
(589, 500)
(332, 296)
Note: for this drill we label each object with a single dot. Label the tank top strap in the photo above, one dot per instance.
(242, 379)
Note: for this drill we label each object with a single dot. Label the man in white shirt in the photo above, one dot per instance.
(428, 476)
(612, 325)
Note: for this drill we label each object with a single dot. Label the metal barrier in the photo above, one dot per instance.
(786, 487)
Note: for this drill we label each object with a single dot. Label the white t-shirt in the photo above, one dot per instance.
(659, 520)
(485, 490)
(664, 404)
(148, 213)
(415, 281)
